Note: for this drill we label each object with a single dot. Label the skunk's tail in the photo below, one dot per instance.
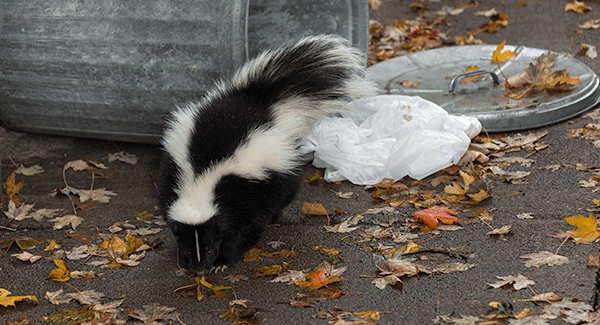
(305, 80)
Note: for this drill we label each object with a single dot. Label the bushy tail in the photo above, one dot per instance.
(303, 81)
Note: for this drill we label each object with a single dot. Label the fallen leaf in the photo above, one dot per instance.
(316, 209)
(586, 231)
(594, 260)
(578, 7)
(83, 164)
(285, 253)
(473, 78)
(101, 195)
(151, 313)
(242, 315)
(267, 271)
(342, 227)
(6, 300)
(309, 297)
(26, 256)
(501, 231)
(544, 257)
(29, 171)
(317, 279)
(291, 276)
(256, 254)
(61, 222)
(61, 274)
(431, 216)
(25, 242)
(519, 282)
(590, 24)
(217, 289)
(124, 157)
(500, 57)
(12, 189)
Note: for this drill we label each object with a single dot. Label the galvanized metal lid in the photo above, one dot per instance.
(439, 71)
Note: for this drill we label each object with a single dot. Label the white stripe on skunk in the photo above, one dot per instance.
(230, 160)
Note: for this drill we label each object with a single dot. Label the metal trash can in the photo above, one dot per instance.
(111, 70)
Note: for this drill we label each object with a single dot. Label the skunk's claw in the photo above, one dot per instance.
(218, 269)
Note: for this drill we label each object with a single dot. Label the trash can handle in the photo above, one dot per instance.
(456, 79)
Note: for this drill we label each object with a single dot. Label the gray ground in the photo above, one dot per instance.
(550, 197)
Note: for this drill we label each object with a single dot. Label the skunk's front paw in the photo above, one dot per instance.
(218, 269)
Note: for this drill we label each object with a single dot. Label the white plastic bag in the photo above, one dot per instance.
(389, 136)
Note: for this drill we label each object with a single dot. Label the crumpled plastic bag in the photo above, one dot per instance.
(389, 136)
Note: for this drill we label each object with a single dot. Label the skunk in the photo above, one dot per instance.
(231, 160)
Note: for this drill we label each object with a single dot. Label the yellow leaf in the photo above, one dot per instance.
(411, 247)
(115, 246)
(11, 189)
(6, 301)
(498, 57)
(473, 78)
(455, 189)
(267, 270)
(586, 231)
(62, 273)
(578, 7)
(51, 245)
(256, 254)
(315, 209)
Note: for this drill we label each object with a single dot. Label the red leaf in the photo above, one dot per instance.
(431, 216)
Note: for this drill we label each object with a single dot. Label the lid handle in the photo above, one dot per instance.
(456, 79)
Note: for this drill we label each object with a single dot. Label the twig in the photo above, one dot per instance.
(11, 229)
(18, 167)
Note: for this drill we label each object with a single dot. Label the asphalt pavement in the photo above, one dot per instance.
(548, 194)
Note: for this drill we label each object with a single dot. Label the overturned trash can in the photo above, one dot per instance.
(112, 70)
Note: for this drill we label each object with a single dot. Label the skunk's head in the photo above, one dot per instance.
(198, 244)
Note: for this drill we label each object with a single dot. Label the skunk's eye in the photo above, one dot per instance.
(208, 251)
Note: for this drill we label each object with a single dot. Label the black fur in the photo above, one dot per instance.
(225, 122)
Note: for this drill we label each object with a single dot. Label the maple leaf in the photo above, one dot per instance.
(500, 231)
(544, 257)
(124, 157)
(267, 271)
(83, 164)
(87, 276)
(519, 282)
(590, 24)
(285, 253)
(317, 279)
(315, 209)
(256, 254)
(578, 7)
(242, 315)
(6, 300)
(101, 195)
(291, 276)
(326, 251)
(539, 77)
(12, 189)
(51, 245)
(310, 297)
(500, 57)
(151, 313)
(61, 222)
(586, 231)
(62, 273)
(473, 78)
(29, 171)
(217, 289)
(391, 280)
(430, 217)
(342, 227)
(594, 260)
(26, 256)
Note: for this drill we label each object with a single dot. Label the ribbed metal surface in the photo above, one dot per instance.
(111, 69)
(272, 23)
